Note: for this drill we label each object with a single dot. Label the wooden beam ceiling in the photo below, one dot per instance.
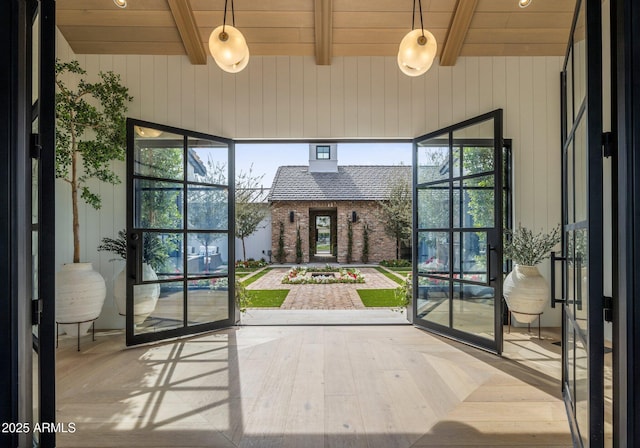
(186, 23)
(323, 31)
(460, 21)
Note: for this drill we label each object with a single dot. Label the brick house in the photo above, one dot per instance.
(323, 199)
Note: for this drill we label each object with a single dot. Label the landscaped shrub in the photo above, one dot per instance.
(301, 276)
(365, 243)
(396, 263)
(250, 264)
(281, 254)
(349, 241)
(299, 253)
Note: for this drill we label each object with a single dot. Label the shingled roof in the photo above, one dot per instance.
(350, 183)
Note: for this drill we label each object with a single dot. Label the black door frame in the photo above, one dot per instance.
(16, 338)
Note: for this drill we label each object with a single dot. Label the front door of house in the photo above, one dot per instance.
(457, 231)
(180, 239)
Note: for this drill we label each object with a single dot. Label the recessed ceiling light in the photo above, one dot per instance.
(120, 3)
(524, 3)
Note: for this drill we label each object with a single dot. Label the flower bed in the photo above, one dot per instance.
(327, 275)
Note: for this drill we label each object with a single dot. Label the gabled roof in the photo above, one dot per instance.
(350, 183)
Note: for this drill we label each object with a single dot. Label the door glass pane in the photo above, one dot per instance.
(208, 300)
(207, 161)
(570, 275)
(207, 254)
(580, 59)
(208, 207)
(470, 258)
(570, 186)
(35, 60)
(580, 180)
(433, 300)
(162, 256)
(569, 92)
(571, 363)
(160, 155)
(433, 253)
(433, 159)
(478, 159)
(582, 390)
(165, 313)
(433, 207)
(479, 202)
(158, 205)
(473, 309)
(581, 267)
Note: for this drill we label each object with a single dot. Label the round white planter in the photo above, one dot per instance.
(146, 296)
(525, 291)
(80, 294)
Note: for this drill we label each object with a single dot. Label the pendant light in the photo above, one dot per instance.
(417, 49)
(120, 3)
(228, 46)
(524, 3)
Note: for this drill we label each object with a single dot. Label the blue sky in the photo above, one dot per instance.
(266, 158)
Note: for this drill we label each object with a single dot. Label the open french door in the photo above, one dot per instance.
(180, 239)
(457, 236)
(582, 257)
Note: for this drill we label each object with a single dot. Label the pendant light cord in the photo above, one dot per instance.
(224, 17)
(413, 16)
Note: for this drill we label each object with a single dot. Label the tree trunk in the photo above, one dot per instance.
(74, 199)
(244, 251)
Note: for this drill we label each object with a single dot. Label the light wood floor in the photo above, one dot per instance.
(298, 387)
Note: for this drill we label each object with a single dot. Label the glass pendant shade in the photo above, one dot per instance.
(147, 132)
(120, 3)
(524, 3)
(415, 56)
(229, 48)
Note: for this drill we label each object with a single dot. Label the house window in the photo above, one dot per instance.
(322, 153)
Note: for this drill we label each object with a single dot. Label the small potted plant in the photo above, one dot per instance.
(154, 256)
(524, 289)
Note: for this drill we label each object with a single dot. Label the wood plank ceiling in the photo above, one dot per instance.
(323, 28)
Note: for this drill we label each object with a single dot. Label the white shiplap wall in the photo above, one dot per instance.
(356, 97)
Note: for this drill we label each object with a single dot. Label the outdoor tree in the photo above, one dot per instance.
(208, 204)
(90, 134)
(395, 213)
(250, 211)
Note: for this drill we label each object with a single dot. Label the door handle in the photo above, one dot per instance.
(555, 259)
(489, 278)
(133, 265)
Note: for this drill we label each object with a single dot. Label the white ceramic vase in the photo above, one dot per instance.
(146, 296)
(526, 293)
(80, 294)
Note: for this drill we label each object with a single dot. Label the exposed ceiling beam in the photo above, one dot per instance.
(323, 31)
(460, 21)
(186, 23)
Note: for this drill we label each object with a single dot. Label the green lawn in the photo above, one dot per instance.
(259, 298)
(389, 275)
(403, 269)
(378, 297)
(255, 277)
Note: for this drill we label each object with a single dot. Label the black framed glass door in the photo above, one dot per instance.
(457, 237)
(582, 266)
(180, 221)
(41, 172)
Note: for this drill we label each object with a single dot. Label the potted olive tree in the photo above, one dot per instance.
(524, 289)
(90, 134)
(154, 256)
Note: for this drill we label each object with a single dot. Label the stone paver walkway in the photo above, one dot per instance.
(336, 296)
